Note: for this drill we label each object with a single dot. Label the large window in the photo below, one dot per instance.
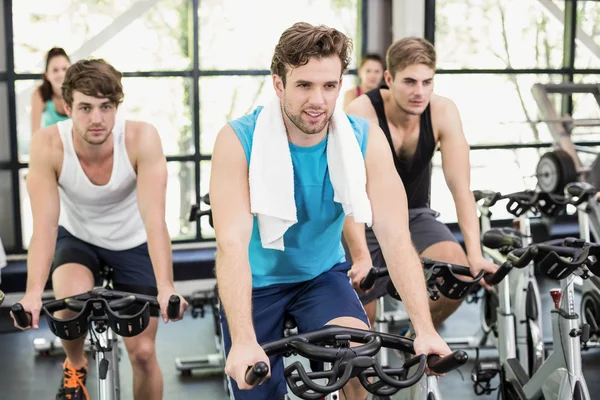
(239, 35)
(496, 109)
(588, 35)
(497, 34)
(490, 54)
(189, 67)
(134, 35)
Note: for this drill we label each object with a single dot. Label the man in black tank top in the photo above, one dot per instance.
(415, 122)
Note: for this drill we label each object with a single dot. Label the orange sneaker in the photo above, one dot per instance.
(73, 383)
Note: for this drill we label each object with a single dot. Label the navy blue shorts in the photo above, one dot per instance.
(312, 304)
(131, 269)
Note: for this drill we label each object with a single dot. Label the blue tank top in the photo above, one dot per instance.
(313, 244)
(50, 116)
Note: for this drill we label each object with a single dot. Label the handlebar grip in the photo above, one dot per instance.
(1, 297)
(22, 318)
(442, 365)
(496, 278)
(173, 307)
(257, 373)
(370, 279)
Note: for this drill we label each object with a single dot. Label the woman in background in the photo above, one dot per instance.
(370, 73)
(46, 101)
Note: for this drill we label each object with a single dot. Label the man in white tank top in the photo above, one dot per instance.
(97, 187)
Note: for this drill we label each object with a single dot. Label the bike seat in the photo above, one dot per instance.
(502, 238)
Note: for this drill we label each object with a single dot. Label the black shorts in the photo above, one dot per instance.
(131, 269)
(425, 231)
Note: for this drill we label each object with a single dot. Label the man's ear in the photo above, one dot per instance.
(278, 85)
(67, 108)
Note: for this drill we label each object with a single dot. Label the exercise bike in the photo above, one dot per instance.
(556, 174)
(560, 375)
(100, 308)
(454, 282)
(331, 345)
(523, 299)
(590, 299)
(199, 301)
(560, 168)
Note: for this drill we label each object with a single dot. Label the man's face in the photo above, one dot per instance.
(93, 117)
(411, 88)
(310, 93)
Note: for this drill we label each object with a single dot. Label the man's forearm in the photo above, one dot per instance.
(354, 233)
(466, 212)
(39, 260)
(234, 282)
(406, 272)
(159, 247)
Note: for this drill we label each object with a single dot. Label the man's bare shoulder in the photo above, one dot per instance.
(134, 129)
(442, 108)
(47, 138)
(139, 133)
(46, 147)
(361, 107)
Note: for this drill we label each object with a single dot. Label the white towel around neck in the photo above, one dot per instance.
(271, 174)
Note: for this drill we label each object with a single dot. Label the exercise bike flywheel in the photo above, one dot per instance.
(555, 170)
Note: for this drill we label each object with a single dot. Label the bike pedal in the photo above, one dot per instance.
(103, 368)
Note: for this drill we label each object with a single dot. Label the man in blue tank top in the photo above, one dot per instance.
(308, 279)
(415, 122)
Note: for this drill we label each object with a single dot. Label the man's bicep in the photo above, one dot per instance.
(42, 185)
(384, 186)
(230, 191)
(454, 148)
(151, 175)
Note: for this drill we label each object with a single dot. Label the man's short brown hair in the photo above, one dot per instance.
(94, 77)
(303, 41)
(409, 51)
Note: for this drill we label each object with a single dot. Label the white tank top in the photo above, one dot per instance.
(106, 216)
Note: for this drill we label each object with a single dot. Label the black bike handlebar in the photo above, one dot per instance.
(450, 285)
(348, 362)
(518, 202)
(257, 373)
(98, 304)
(374, 273)
(196, 213)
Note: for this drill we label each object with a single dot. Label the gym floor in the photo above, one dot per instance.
(25, 376)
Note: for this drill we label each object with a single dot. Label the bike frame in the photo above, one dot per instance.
(560, 375)
(513, 293)
(109, 388)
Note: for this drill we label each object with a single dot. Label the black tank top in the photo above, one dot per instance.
(415, 172)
